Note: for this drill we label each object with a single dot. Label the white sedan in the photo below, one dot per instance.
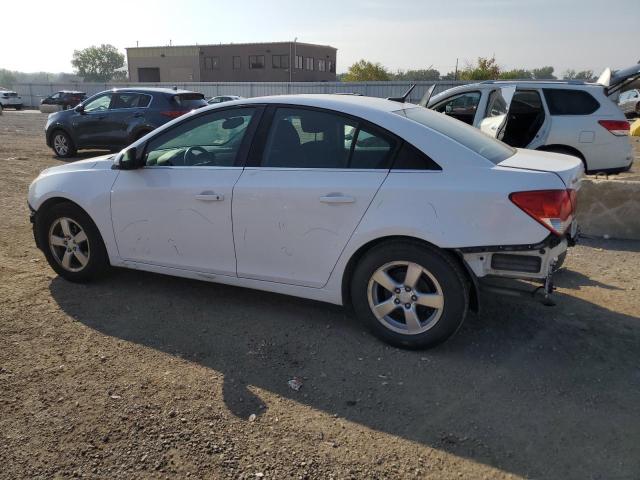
(391, 208)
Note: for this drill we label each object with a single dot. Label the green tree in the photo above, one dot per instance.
(586, 75)
(97, 64)
(449, 76)
(364, 71)
(543, 73)
(7, 78)
(485, 69)
(516, 74)
(417, 75)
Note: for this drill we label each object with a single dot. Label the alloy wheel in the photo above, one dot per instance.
(61, 144)
(405, 297)
(69, 244)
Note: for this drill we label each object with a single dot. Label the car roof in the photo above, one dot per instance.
(490, 84)
(168, 91)
(70, 91)
(344, 103)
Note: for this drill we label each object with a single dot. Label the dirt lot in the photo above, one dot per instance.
(146, 376)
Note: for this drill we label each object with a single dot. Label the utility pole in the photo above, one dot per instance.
(455, 75)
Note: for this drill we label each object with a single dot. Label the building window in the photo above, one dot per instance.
(256, 61)
(212, 63)
(321, 65)
(280, 61)
(309, 63)
(237, 63)
(299, 62)
(332, 67)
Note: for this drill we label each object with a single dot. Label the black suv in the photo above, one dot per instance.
(62, 100)
(116, 118)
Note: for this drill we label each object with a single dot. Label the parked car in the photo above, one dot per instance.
(266, 194)
(9, 98)
(223, 98)
(115, 118)
(629, 103)
(569, 117)
(62, 100)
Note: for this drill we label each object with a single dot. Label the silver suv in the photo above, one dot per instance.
(570, 117)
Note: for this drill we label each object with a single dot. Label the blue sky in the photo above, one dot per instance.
(401, 34)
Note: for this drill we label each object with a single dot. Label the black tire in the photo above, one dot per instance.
(444, 269)
(97, 260)
(139, 135)
(59, 139)
(566, 151)
(18, 107)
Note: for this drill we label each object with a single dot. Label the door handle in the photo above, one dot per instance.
(210, 197)
(337, 198)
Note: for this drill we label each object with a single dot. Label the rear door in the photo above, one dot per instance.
(311, 177)
(496, 112)
(127, 110)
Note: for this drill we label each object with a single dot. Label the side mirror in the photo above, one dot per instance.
(129, 159)
(79, 109)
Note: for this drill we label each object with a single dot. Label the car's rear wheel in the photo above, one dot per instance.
(18, 107)
(410, 295)
(71, 243)
(62, 144)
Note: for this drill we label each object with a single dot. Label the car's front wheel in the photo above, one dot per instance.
(410, 295)
(62, 144)
(71, 243)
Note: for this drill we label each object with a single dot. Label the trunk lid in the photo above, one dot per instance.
(615, 81)
(569, 169)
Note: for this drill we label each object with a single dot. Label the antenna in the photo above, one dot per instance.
(424, 101)
(403, 98)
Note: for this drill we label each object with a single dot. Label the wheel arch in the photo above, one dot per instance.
(54, 129)
(57, 200)
(474, 291)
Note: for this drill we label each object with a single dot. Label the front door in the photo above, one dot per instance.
(313, 176)
(92, 126)
(176, 211)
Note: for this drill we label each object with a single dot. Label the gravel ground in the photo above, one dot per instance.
(147, 376)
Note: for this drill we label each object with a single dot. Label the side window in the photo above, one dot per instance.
(300, 138)
(371, 150)
(98, 104)
(462, 107)
(410, 158)
(496, 105)
(129, 100)
(211, 140)
(562, 101)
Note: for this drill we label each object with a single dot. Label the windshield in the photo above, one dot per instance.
(493, 150)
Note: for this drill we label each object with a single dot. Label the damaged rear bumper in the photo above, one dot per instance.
(535, 262)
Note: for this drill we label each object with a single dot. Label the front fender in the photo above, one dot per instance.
(89, 188)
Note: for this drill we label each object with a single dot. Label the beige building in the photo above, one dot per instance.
(241, 62)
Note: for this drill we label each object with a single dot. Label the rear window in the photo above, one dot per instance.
(570, 102)
(493, 150)
(189, 101)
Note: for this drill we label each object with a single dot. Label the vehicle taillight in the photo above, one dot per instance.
(552, 208)
(174, 113)
(617, 127)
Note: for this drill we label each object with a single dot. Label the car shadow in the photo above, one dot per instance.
(543, 392)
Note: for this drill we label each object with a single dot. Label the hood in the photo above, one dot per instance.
(103, 162)
(568, 168)
(614, 81)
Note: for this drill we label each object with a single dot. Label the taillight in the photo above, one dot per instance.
(174, 113)
(551, 208)
(617, 127)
